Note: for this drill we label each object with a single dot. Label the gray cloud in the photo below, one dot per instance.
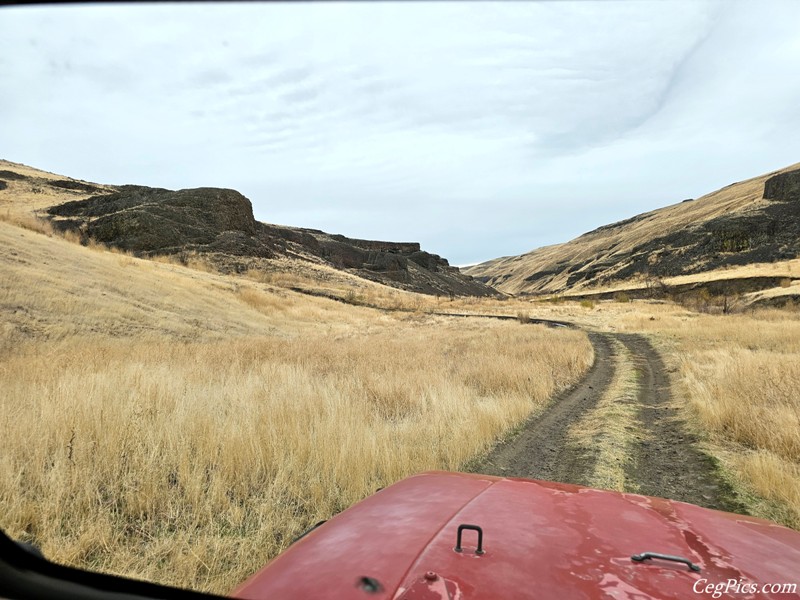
(479, 129)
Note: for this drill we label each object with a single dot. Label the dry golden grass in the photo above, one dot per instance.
(27, 221)
(179, 425)
(28, 196)
(55, 289)
(182, 426)
(787, 287)
(346, 287)
(787, 269)
(735, 376)
(609, 429)
(750, 394)
(784, 268)
(775, 479)
(193, 463)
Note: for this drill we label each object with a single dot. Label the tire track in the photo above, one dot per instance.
(667, 460)
(541, 449)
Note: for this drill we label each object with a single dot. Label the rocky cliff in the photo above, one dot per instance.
(220, 222)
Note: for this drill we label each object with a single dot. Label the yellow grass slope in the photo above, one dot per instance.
(33, 194)
(183, 426)
(53, 289)
(608, 245)
(25, 200)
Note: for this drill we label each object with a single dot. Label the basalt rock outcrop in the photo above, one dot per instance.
(783, 186)
(158, 221)
(220, 222)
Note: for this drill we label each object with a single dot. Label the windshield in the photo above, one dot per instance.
(259, 260)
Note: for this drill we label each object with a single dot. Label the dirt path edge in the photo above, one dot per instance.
(540, 449)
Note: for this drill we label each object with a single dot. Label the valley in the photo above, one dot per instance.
(182, 416)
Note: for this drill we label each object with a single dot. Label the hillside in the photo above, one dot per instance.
(189, 424)
(753, 221)
(217, 225)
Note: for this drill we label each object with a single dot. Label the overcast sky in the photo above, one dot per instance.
(478, 129)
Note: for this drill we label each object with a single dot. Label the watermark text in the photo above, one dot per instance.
(739, 586)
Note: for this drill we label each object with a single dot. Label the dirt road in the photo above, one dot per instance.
(540, 449)
(665, 459)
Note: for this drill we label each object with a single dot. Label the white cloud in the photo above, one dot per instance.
(479, 129)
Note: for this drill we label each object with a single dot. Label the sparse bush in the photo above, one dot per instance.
(586, 303)
(785, 282)
(352, 297)
(730, 303)
(523, 317)
(656, 288)
(621, 297)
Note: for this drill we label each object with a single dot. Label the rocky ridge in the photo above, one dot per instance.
(219, 224)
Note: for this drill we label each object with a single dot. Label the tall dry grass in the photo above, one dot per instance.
(194, 463)
(27, 221)
(750, 394)
(181, 426)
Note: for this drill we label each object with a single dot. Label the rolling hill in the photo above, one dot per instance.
(747, 223)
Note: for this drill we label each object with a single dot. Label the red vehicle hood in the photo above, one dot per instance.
(541, 540)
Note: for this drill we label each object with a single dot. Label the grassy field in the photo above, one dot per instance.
(170, 423)
(735, 377)
(181, 426)
(741, 376)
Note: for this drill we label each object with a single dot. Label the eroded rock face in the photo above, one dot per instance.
(141, 219)
(151, 221)
(784, 186)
